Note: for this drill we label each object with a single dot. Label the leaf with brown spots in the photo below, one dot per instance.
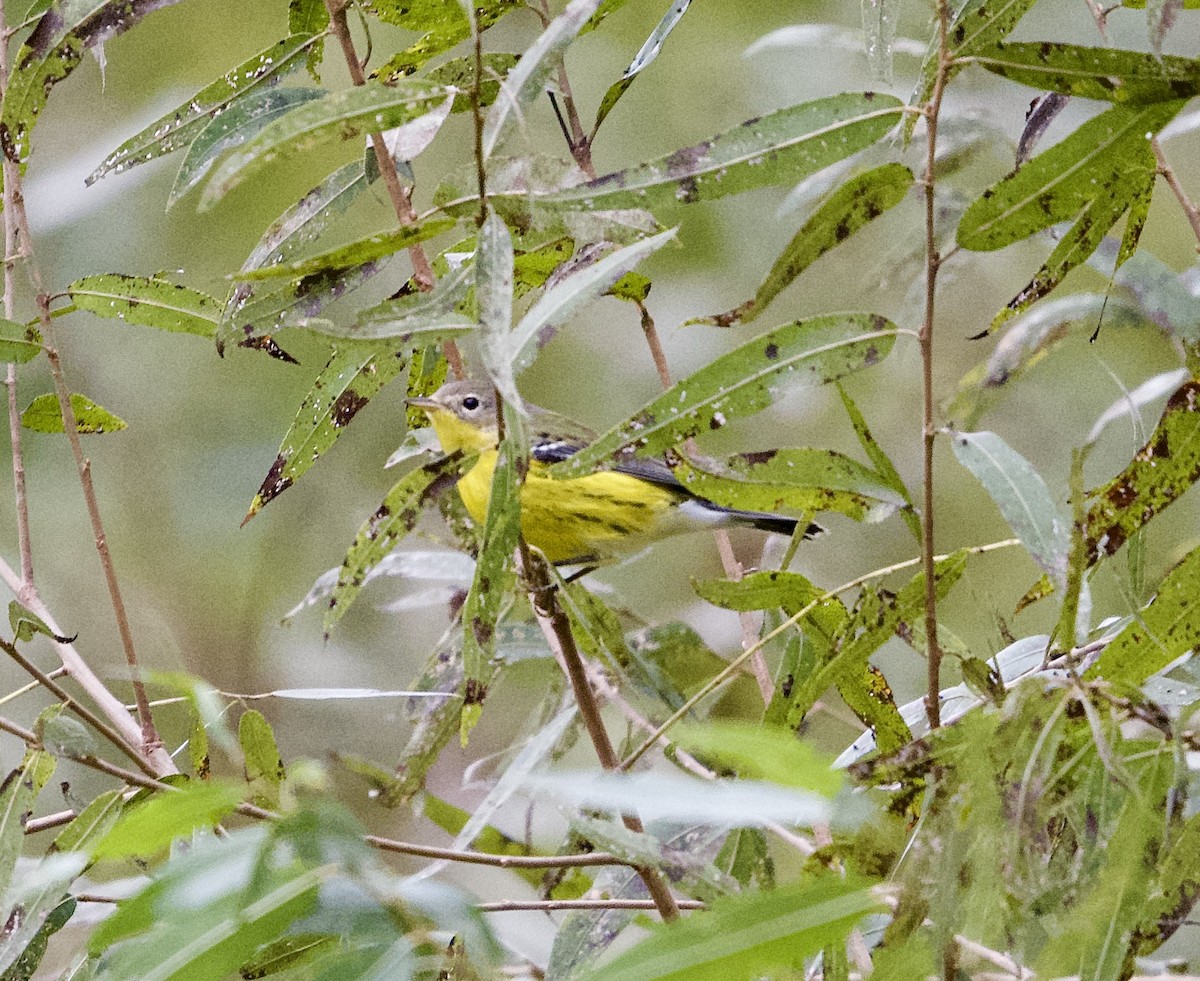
(44, 415)
(742, 382)
(1158, 475)
(783, 147)
(805, 480)
(147, 301)
(352, 377)
(856, 203)
(1108, 74)
(395, 517)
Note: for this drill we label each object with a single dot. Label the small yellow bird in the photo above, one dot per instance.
(579, 520)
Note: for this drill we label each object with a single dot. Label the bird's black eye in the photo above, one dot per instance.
(470, 403)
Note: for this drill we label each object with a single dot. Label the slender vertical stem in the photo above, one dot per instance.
(423, 274)
(557, 631)
(577, 139)
(925, 340)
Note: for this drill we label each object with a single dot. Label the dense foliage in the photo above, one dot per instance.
(1033, 814)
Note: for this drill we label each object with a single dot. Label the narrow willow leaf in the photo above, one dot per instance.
(418, 313)
(1130, 405)
(179, 127)
(884, 468)
(1109, 74)
(263, 765)
(744, 381)
(147, 301)
(338, 116)
(350, 379)
(1022, 497)
(1043, 111)
(233, 127)
(294, 950)
(443, 24)
(91, 824)
(1160, 472)
(494, 299)
(527, 81)
(145, 829)
(783, 147)
(310, 17)
(679, 798)
(648, 52)
(762, 754)
(396, 516)
(495, 572)
(805, 480)
(580, 286)
(18, 343)
(746, 936)
(18, 793)
(879, 28)
(1101, 160)
(23, 966)
(459, 73)
(977, 25)
(369, 249)
(44, 415)
(856, 203)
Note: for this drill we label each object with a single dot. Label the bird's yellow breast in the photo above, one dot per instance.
(585, 519)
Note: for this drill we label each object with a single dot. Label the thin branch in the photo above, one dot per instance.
(77, 668)
(929, 430)
(551, 905)
(558, 635)
(1169, 175)
(735, 665)
(577, 140)
(82, 711)
(581, 860)
(423, 274)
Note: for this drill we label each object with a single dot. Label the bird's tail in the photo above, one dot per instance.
(776, 523)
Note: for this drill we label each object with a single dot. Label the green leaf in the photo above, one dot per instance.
(419, 318)
(43, 415)
(856, 203)
(579, 286)
(66, 736)
(353, 376)
(1097, 163)
(744, 381)
(884, 468)
(18, 343)
(1022, 497)
(648, 52)
(26, 625)
(746, 936)
(294, 950)
(310, 17)
(1109, 74)
(148, 302)
(369, 249)
(443, 24)
(91, 824)
(264, 767)
(1162, 631)
(25, 966)
(145, 829)
(494, 276)
(762, 754)
(18, 793)
(232, 127)
(344, 115)
(783, 147)
(805, 480)
(527, 81)
(1160, 472)
(396, 516)
(179, 127)
(459, 73)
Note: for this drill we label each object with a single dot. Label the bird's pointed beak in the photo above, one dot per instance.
(421, 402)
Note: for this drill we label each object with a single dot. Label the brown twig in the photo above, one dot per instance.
(1168, 174)
(925, 339)
(558, 635)
(577, 139)
(423, 274)
(82, 711)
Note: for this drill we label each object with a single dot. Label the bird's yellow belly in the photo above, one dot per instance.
(585, 519)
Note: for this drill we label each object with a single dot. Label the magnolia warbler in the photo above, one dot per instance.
(578, 520)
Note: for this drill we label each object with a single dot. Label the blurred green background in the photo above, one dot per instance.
(206, 596)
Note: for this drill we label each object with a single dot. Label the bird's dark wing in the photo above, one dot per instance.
(547, 449)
